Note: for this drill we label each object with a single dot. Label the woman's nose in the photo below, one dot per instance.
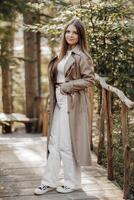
(70, 34)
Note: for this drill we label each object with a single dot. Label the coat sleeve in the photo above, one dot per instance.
(87, 77)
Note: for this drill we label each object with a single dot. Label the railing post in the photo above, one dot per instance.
(101, 128)
(109, 123)
(124, 122)
(46, 115)
(126, 149)
(126, 184)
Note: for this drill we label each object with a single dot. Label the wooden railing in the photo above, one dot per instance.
(106, 115)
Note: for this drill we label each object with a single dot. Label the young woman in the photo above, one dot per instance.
(70, 76)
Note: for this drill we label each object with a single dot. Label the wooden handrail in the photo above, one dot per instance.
(106, 115)
(119, 93)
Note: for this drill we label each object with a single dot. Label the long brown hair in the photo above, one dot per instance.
(82, 42)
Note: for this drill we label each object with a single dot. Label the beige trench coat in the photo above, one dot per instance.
(79, 75)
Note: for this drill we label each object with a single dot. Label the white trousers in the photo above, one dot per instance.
(60, 148)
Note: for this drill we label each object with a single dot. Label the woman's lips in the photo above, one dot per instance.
(70, 39)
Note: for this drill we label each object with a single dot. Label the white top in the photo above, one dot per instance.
(61, 66)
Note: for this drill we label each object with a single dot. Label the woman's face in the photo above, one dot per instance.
(71, 36)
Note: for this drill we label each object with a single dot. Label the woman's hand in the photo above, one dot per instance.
(61, 90)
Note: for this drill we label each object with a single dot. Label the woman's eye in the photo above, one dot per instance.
(74, 32)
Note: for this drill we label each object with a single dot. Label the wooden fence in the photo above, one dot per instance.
(106, 115)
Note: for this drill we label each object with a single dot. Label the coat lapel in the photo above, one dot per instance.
(71, 59)
(69, 63)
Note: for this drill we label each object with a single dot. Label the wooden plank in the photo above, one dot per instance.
(15, 117)
(106, 194)
(19, 182)
(4, 117)
(73, 196)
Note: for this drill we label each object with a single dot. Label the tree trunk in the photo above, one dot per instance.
(39, 61)
(32, 73)
(7, 53)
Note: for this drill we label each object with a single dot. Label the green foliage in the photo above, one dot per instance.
(9, 8)
(8, 12)
(110, 29)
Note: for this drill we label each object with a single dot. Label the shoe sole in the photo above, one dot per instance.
(65, 192)
(44, 192)
(73, 190)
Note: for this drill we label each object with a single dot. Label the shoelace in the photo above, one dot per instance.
(66, 187)
(43, 187)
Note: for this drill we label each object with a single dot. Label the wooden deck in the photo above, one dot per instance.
(22, 159)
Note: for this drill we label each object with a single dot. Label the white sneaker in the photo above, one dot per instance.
(42, 189)
(65, 189)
